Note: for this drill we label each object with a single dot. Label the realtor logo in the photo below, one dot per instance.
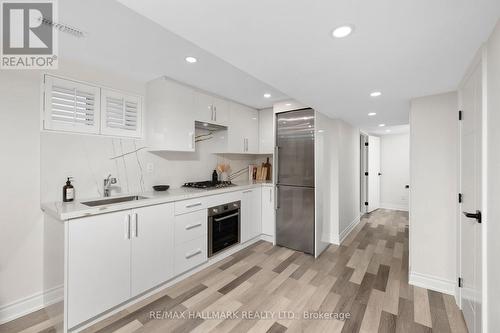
(27, 42)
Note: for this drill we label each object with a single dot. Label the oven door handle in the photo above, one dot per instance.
(226, 217)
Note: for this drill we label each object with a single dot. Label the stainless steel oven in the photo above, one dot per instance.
(224, 226)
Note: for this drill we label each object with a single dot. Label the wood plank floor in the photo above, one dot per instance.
(269, 289)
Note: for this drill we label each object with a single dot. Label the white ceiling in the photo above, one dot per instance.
(120, 40)
(404, 48)
(389, 130)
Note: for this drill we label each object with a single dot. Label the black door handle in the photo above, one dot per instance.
(476, 215)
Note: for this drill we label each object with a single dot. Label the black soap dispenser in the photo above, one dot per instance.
(215, 177)
(68, 191)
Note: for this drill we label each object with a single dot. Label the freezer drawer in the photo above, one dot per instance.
(295, 218)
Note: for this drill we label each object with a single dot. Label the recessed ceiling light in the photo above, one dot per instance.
(381, 125)
(288, 104)
(387, 130)
(372, 114)
(342, 31)
(376, 94)
(267, 95)
(191, 60)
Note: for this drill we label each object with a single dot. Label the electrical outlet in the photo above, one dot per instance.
(150, 167)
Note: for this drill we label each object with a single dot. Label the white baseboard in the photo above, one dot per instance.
(394, 206)
(350, 227)
(30, 304)
(267, 238)
(432, 283)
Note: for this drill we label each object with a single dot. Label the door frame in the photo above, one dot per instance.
(480, 59)
(363, 167)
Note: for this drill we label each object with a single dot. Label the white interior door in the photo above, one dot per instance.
(373, 173)
(363, 167)
(470, 182)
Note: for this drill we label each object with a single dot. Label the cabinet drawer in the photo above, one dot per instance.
(187, 206)
(190, 254)
(190, 226)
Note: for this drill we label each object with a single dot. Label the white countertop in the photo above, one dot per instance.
(71, 210)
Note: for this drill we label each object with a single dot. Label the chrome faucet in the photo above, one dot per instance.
(107, 184)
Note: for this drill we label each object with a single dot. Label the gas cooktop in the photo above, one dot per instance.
(209, 184)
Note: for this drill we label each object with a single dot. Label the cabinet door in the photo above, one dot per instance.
(204, 107)
(236, 138)
(243, 131)
(250, 214)
(98, 265)
(221, 111)
(170, 116)
(252, 130)
(266, 140)
(152, 246)
(268, 210)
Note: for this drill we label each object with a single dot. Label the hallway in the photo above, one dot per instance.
(366, 277)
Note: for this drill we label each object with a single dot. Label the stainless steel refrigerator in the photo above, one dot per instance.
(295, 180)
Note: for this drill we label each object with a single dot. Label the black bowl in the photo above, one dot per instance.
(161, 187)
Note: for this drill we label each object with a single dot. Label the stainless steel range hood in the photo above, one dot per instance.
(209, 126)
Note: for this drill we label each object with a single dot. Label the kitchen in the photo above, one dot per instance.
(188, 227)
(148, 172)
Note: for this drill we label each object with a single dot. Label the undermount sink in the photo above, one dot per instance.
(109, 201)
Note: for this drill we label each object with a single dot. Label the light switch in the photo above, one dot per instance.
(150, 167)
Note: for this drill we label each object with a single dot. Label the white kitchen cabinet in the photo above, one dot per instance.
(251, 225)
(152, 236)
(116, 256)
(190, 240)
(211, 109)
(170, 116)
(99, 265)
(190, 226)
(268, 224)
(221, 107)
(266, 131)
(243, 130)
(190, 254)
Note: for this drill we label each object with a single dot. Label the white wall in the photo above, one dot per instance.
(338, 177)
(324, 212)
(433, 190)
(493, 189)
(395, 169)
(36, 164)
(21, 222)
(349, 186)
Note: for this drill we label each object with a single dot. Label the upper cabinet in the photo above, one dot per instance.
(170, 116)
(211, 109)
(243, 130)
(266, 131)
(173, 108)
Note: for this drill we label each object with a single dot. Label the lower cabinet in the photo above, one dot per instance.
(268, 216)
(250, 214)
(113, 257)
(116, 256)
(190, 240)
(152, 244)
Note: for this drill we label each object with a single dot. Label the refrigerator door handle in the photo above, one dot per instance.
(276, 199)
(276, 169)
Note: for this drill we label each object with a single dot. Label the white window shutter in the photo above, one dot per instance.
(71, 106)
(121, 114)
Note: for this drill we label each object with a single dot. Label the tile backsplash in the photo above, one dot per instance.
(89, 159)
